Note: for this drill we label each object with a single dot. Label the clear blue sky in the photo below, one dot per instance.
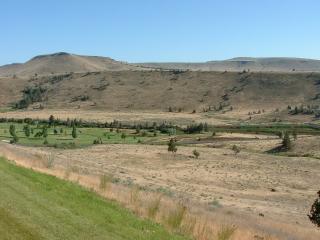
(160, 30)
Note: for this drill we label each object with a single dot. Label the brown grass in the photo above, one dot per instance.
(226, 232)
(185, 217)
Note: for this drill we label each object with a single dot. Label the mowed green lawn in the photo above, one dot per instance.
(38, 206)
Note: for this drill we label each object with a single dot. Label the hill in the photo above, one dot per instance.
(69, 81)
(62, 62)
(37, 206)
(184, 91)
(247, 64)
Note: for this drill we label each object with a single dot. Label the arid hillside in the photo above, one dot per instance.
(249, 87)
(59, 63)
(178, 91)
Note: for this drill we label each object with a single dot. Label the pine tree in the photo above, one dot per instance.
(26, 130)
(74, 132)
(12, 130)
(44, 132)
(51, 120)
(286, 142)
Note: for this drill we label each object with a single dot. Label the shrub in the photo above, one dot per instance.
(30, 95)
(97, 141)
(196, 128)
(172, 146)
(235, 149)
(314, 214)
(196, 153)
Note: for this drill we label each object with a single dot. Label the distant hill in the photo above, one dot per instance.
(245, 63)
(62, 62)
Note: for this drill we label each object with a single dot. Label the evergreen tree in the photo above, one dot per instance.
(12, 130)
(26, 130)
(44, 132)
(286, 142)
(51, 120)
(74, 132)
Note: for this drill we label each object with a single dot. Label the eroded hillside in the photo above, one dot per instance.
(183, 91)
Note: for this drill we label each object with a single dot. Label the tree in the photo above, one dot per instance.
(26, 130)
(51, 120)
(123, 136)
(74, 131)
(314, 214)
(12, 131)
(286, 142)
(44, 132)
(15, 139)
(172, 146)
(196, 153)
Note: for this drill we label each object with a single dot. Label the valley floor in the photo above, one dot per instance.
(266, 192)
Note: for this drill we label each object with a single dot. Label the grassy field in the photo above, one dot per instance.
(85, 136)
(38, 206)
(61, 136)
